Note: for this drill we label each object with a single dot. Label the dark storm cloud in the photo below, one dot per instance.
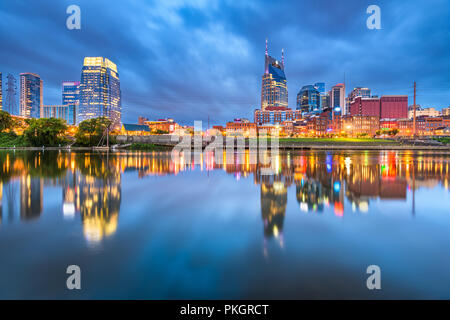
(191, 59)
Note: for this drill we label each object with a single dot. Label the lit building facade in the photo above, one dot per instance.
(100, 94)
(164, 125)
(71, 99)
(309, 100)
(273, 115)
(386, 107)
(394, 107)
(274, 91)
(65, 112)
(337, 98)
(31, 95)
(323, 96)
(359, 92)
(446, 111)
(365, 107)
(423, 112)
(241, 128)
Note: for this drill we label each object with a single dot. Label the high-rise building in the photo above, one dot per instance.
(337, 98)
(100, 94)
(31, 95)
(70, 99)
(11, 92)
(386, 107)
(274, 91)
(324, 96)
(320, 86)
(71, 93)
(358, 92)
(309, 100)
(65, 112)
(394, 107)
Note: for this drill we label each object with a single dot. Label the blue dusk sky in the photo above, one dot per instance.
(191, 59)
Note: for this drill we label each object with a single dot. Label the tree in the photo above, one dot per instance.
(6, 121)
(90, 131)
(393, 132)
(45, 132)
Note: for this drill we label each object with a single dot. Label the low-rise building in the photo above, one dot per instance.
(388, 124)
(64, 112)
(163, 125)
(318, 125)
(239, 128)
(142, 120)
(276, 115)
(365, 125)
(446, 111)
(423, 112)
(134, 129)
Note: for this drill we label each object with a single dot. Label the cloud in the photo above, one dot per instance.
(194, 59)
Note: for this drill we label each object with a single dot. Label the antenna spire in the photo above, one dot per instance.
(282, 56)
(267, 50)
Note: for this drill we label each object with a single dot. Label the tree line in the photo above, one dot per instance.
(49, 131)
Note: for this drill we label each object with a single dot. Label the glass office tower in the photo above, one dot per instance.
(71, 93)
(308, 100)
(100, 94)
(274, 91)
(65, 112)
(71, 99)
(31, 97)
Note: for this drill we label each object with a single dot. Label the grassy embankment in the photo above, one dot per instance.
(443, 140)
(336, 141)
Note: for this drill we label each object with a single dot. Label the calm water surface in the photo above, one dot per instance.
(141, 225)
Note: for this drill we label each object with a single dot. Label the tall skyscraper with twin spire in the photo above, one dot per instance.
(274, 92)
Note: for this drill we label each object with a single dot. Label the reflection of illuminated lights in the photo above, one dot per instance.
(96, 228)
(275, 231)
(347, 162)
(338, 209)
(278, 187)
(337, 186)
(68, 210)
(304, 206)
(364, 207)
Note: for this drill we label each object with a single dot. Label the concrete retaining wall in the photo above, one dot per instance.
(165, 139)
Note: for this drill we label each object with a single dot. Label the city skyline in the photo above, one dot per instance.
(158, 77)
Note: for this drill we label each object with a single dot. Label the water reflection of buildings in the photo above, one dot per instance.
(93, 190)
(91, 183)
(31, 197)
(91, 187)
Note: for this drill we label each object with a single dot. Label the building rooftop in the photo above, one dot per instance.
(136, 127)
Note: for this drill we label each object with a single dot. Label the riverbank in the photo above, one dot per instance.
(285, 147)
(283, 144)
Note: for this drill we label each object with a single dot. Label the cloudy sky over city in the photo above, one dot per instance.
(192, 59)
